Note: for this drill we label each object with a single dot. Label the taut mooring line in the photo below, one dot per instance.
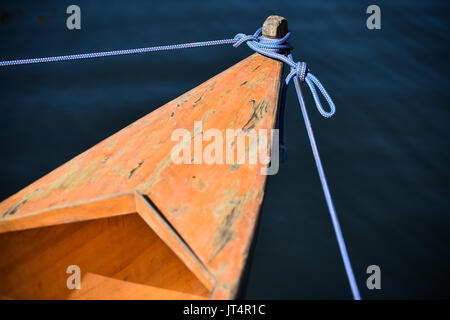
(117, 52)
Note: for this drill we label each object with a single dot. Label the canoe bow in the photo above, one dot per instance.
(128, 195)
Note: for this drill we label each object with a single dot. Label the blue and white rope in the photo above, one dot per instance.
(117, 52)
(273, 48)
(299, 72)
(278, 49)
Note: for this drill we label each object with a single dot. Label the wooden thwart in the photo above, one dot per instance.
(118, 251)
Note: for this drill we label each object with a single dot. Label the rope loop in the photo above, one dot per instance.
(261, 44)
(311, 80)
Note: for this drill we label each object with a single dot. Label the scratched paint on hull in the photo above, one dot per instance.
(213, 208)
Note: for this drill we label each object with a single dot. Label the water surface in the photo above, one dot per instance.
(385, 152)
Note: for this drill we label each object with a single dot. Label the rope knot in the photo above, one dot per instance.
(241, 38)
(280, 49)
(301, 70)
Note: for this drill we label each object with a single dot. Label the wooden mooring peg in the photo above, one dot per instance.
(275, 27)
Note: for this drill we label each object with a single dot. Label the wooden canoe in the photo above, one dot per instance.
(137, 225)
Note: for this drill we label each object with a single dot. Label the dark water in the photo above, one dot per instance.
(386, 151)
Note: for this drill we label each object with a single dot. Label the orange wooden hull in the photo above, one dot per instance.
(136, 224)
